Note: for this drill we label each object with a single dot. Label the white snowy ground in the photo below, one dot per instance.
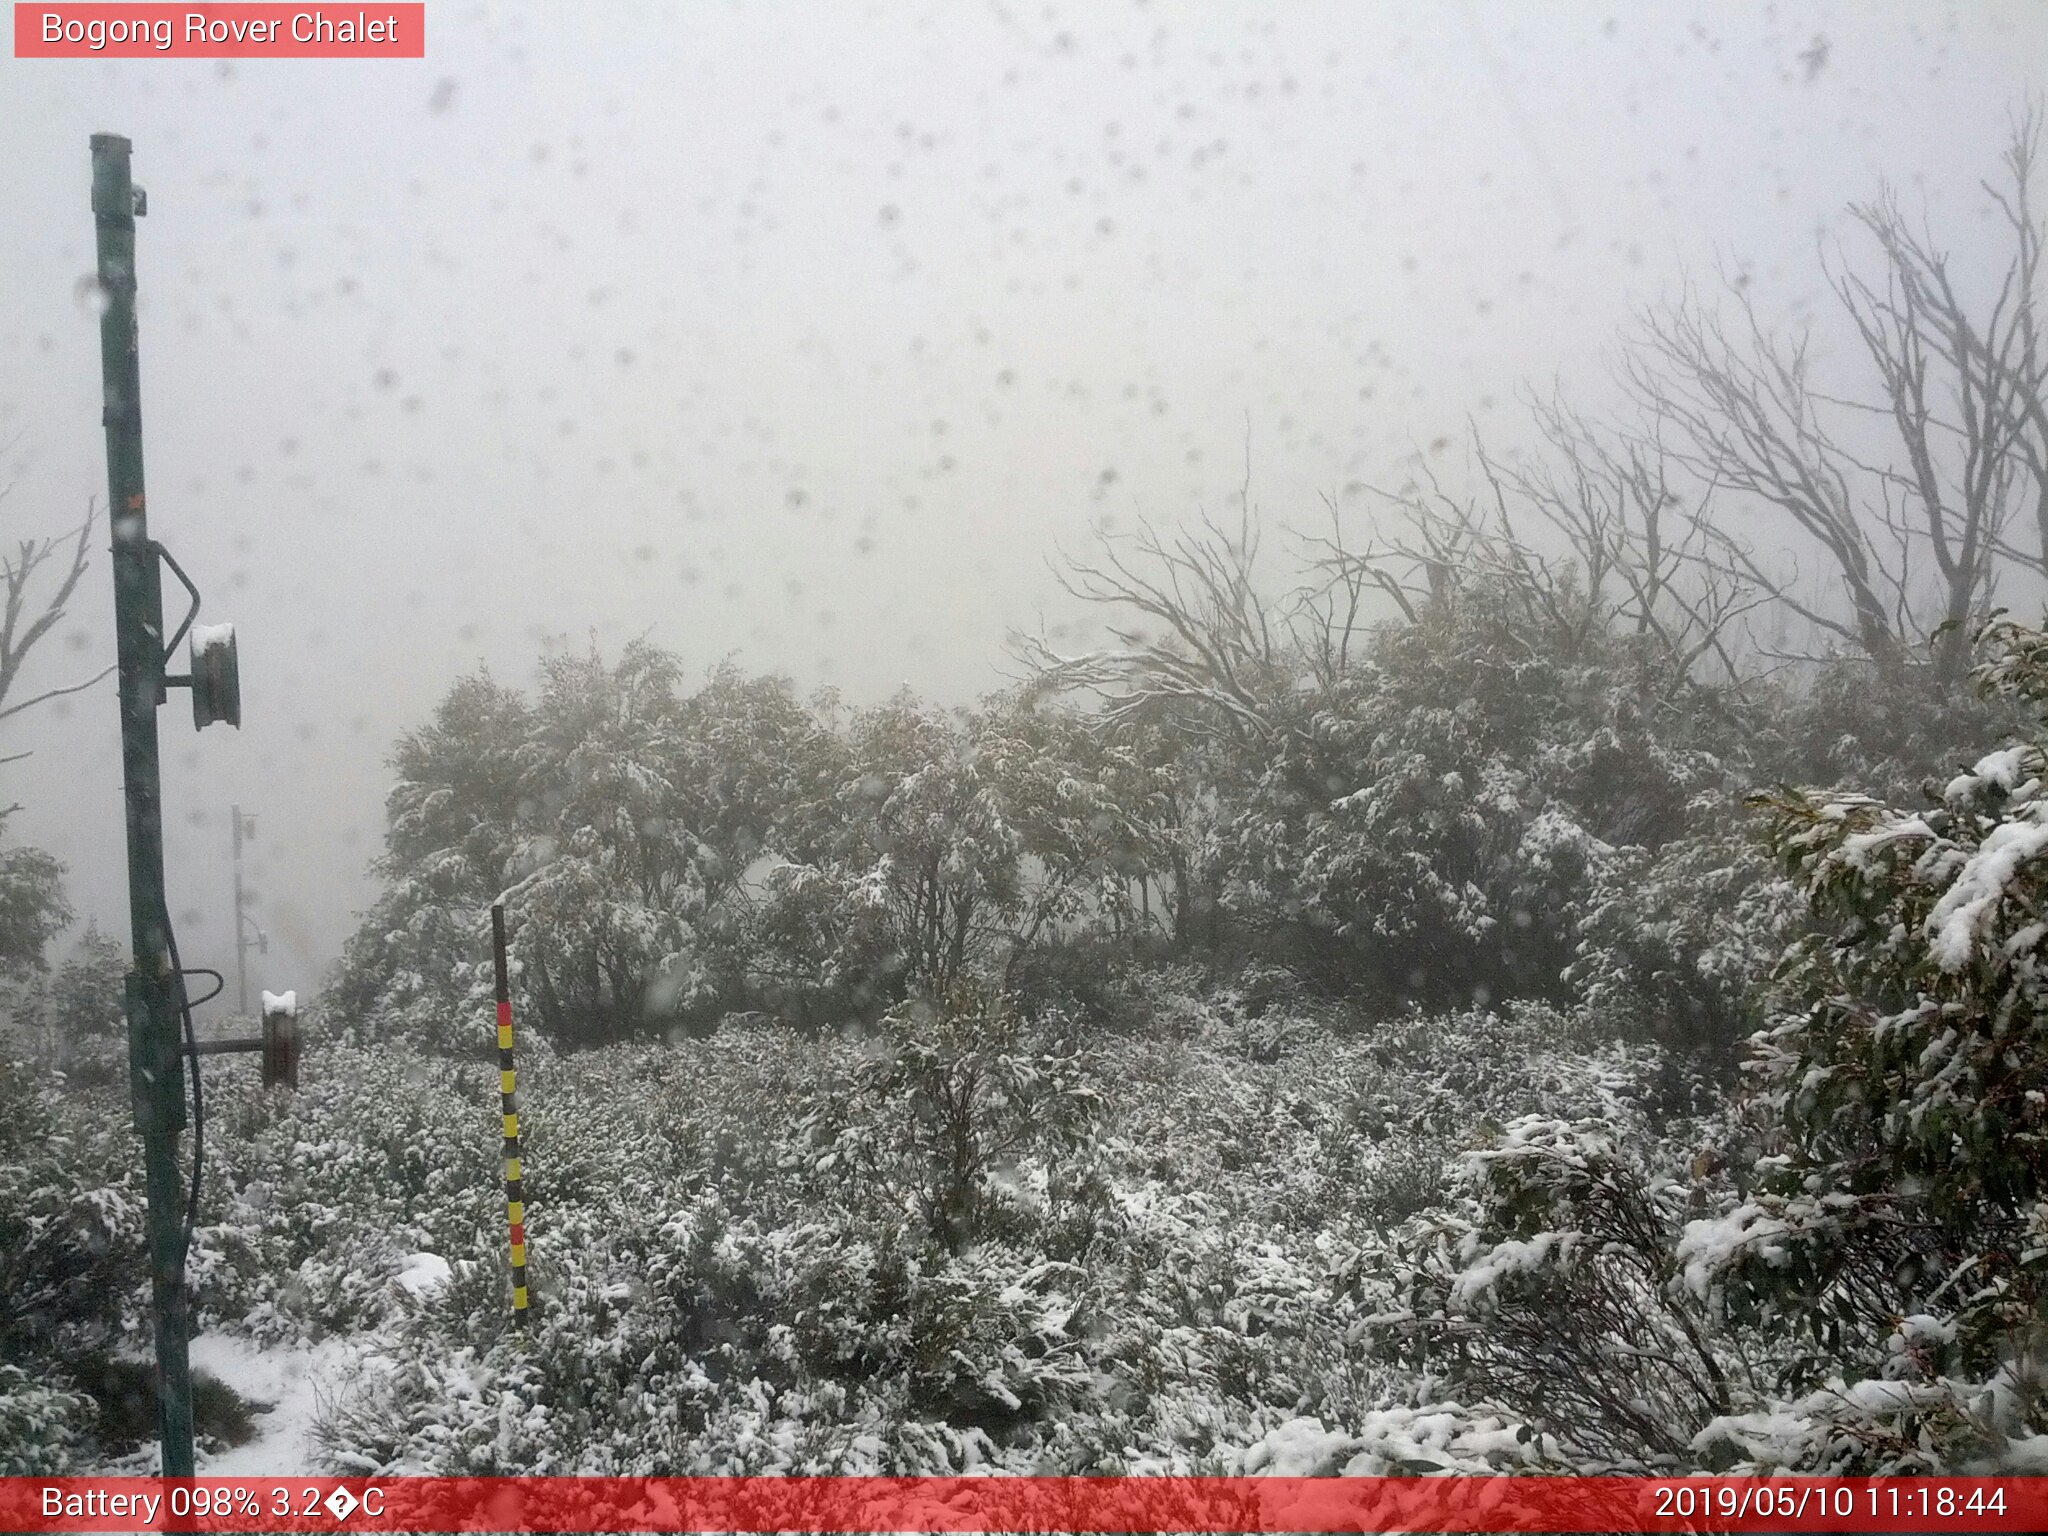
(288, 1386)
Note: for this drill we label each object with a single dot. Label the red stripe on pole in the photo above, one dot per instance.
(1003, 1504)
(515, 1164)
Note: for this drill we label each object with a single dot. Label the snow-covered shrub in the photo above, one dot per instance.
(419, 966)
(1850, 1278)
(953, 847)
(668, 856)
(71, 1219)
(1399, 1442)
(612, 883)
(79, 1019)
(44, 1429)
(618, 815)
(1093, 979)
(1422, 1090)
(1428, 825)
(72, 1272)
(706, 1342)
(1883, 734)
(1554, 1293)
(316, 1199)
(995, 1341)
(1901, 1133)
(1677, 944)
(822, 948)
(1175, 1250)
(33, 909)
(944, 1119)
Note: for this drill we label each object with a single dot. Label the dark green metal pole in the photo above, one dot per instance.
(155, 1058)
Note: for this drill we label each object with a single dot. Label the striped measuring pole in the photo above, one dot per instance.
(508, 1087)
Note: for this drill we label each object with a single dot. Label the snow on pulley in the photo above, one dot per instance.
(216, 676)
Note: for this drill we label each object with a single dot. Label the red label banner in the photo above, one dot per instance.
(214, 31)
(1002, 1504)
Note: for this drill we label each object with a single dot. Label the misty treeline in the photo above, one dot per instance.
(1497, 747)
(1547, 975)
(1522, 757)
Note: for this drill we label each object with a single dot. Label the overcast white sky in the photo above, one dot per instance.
(805, 333)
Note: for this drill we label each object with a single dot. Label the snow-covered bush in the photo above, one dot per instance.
(954, 848)
(1555, 1295)
(33, 909)
(1428, 826)
(618, 815)
(44, 1429)
(1155, 1278)
(71, 1260)
(82, 1013)
(1677, 944)
(1883, 734)
(668, 856)
(1850, 1276)
(1894, 1208)
(316, 1199)
(944, 1120)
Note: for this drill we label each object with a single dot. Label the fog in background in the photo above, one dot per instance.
(804, 335)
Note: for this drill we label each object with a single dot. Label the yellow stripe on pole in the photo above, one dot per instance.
(515, 1209)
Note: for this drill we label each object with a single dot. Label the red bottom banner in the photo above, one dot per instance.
(1001, 1504)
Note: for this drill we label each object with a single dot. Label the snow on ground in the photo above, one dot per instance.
(424, 1274)
(287, 1386)
(295, 1381)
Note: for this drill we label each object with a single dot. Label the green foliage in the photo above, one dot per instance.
(32, 909)
(1850, 1278)
(71, 1263)
(1903, 1143)
(44, 1430)
(1430, 825)
(957, 1098)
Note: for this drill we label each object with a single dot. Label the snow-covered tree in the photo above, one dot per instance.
(1432, 825)
(1850, 1276)
(626, 822)
(1893, 1218)
(419, 961)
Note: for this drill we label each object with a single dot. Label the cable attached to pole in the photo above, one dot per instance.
(184, 1005)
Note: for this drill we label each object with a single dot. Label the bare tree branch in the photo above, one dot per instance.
(27, 616)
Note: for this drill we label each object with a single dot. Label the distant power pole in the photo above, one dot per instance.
(245, 827)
